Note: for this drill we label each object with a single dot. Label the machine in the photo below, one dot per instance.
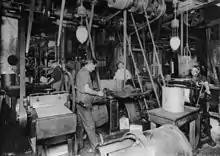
(155, 142)
(47, 122)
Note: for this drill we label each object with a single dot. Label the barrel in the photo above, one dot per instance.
(8, 80)
(166, 140)
(173, 99)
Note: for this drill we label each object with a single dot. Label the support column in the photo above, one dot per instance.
(22, 57)
(63, 45)
(125, 43)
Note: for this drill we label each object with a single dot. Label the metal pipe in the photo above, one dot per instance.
(145, 59)
(113, 15)
(181, 34)
(30, 21)
(61, 22)
(125, 44)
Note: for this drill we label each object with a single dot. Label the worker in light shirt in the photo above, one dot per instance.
(120, 73)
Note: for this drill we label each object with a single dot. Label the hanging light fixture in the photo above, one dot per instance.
(81, 32)
(175, 40)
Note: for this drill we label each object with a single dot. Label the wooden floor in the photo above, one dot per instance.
(19, 143)
(204, 151)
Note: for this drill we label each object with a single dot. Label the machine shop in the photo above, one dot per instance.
(110, 78)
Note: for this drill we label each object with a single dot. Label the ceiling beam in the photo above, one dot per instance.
(194, 4)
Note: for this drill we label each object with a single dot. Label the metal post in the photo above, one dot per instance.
(22, 58)
(145, 59)
(30, 21)
(63, 45)
(61, 22)
(125, 44)
(181, 34)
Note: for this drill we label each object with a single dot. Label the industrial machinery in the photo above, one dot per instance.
(166, 140)
(108, 111)
(47, 121)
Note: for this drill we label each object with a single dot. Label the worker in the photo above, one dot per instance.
(200, 98)
(85, 94)
(200, 79)
(122, 73)
(57, 77)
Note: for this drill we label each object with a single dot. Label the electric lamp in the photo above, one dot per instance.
(175, 42)
(81, 34)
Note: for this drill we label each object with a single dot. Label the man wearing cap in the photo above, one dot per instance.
(84, 97)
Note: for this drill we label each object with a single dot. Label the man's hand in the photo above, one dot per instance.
(208, 92)
(100, 93)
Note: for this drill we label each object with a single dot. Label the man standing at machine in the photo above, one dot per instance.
(84, 98)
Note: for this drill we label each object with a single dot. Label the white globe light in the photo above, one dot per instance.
(175, 42)
(81, 34)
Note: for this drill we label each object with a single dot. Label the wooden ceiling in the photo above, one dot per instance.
(47, 12)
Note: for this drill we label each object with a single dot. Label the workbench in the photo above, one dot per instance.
(190, 116)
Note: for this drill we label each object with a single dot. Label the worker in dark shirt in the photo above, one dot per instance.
(56, 79)
(201, 100)
(84, 99)
(199, 79)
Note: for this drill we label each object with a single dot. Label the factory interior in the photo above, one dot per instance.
(110, 78)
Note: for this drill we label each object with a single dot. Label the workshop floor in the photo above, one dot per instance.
(11, 134)
(207, 150)
(204, 151)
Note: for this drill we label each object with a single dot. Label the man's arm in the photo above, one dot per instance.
(51, 80)
(88, 90)
(206, 85)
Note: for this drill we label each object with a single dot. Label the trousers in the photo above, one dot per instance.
(85, 114)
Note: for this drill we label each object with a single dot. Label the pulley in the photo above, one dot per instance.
(120, 4)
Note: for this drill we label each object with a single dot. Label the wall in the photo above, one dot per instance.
(9, 32)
